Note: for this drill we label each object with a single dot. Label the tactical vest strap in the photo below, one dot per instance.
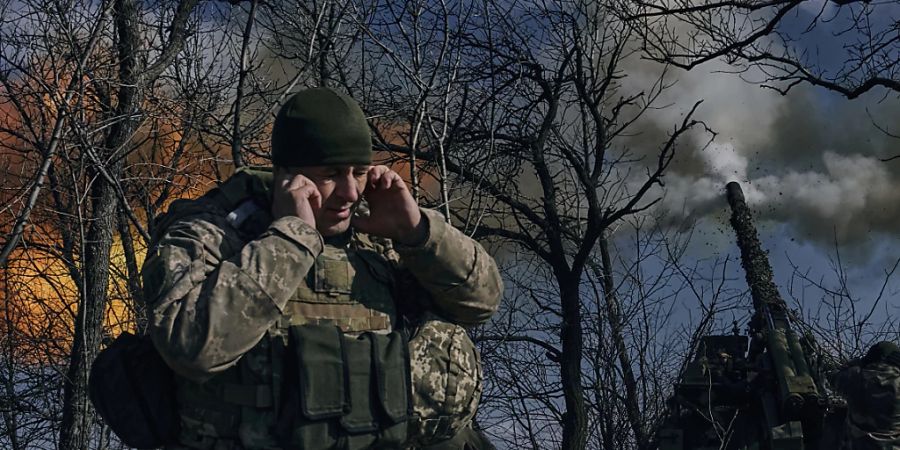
(257, 396)
(453, 397)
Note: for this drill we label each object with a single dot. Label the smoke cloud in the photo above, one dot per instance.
(851, 196)
(811, 160)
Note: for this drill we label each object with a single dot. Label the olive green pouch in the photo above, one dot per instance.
(361, 417)
(390, 354)
(352, 388)
(323, 385)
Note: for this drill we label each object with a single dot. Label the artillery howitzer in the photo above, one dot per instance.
(752, 392)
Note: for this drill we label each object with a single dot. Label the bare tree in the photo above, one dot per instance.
(847, 46)
(75, 81)
(844, 324)
(565, 148)
(136, 73)
(513, 117)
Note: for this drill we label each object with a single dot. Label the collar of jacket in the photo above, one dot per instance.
(249, 182)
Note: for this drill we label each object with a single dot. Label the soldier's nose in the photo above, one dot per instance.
(347, 191)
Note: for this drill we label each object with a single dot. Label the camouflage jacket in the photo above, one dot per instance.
(872, 392)
(214, 289)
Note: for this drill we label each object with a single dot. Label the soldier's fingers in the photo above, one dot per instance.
(380, 169)
(398, 181)
(377, 174)
(373, 177)
(306, 191)
(299, 181)
(315, 198)
(394, 181)
(385, 182)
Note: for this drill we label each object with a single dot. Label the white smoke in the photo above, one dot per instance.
(852, 195)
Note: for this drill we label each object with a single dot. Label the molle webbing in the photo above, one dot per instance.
(350, 318)
(349, 289)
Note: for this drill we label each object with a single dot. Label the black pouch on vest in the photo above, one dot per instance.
(321, 373)
(376, 365)
(133, 390)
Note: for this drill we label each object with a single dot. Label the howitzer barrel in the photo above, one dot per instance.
(753, 259)
(795, 385)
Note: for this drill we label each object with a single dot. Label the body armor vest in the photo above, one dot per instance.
(335, 370)
(341, 321)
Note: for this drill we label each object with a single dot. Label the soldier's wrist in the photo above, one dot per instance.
(299, 232)
(418, 236)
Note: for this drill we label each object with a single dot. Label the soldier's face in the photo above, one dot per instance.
(341, 187)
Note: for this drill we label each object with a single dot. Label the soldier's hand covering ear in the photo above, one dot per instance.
(295, 195)
(394, 213)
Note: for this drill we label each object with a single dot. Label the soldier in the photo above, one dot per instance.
(294, 319)
(871, 386)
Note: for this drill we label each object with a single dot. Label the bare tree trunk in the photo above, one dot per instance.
(575, 418)
(9, 402)
(134, 76)
(134, 274)
(77, 412)
(614, 316)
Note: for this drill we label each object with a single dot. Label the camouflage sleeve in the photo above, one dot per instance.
(212, 296)
(462, 278)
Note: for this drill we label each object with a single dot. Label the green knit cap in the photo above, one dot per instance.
(320, 127)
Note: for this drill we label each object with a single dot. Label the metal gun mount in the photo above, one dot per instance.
(748, 392)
